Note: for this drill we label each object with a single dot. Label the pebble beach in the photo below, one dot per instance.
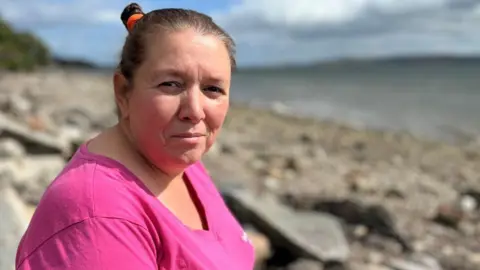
(390, 190)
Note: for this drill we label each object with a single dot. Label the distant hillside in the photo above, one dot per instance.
(408, 60)
(404, 61)
(73, 63)
(21, 51)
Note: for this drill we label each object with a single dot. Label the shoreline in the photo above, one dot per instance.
(452, 135)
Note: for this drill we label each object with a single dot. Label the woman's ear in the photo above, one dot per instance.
(121, 88)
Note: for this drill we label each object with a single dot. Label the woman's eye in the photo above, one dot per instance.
(214, 89)
(170, 84)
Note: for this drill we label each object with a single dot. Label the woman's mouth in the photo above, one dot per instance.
(188, 135)
(189, 138)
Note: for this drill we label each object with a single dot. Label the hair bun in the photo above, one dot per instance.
(128, 13)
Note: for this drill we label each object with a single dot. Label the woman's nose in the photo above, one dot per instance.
(192, 105)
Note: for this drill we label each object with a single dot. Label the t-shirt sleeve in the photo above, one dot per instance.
(95, 243)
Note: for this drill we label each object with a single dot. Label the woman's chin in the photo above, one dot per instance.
(188, 157)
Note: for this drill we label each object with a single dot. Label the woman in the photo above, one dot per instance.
(136, 196)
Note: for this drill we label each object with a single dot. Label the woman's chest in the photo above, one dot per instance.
(220, 255)
(224, 246)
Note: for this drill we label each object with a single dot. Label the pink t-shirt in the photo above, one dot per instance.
(97, 215)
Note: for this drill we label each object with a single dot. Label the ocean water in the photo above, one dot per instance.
(438, 99)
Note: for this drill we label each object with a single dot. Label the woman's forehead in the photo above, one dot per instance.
(182, 53)
(187, 42)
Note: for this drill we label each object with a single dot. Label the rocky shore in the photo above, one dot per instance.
(392, 201)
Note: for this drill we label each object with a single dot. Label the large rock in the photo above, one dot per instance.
(15, 218)
(305, 234)
(31, 175)
(35, 141)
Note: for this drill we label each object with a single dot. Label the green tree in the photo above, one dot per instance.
(21, 50)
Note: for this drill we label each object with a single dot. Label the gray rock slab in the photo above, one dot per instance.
(307, 234)
(35, 142)
(31, 175)
(14, 222)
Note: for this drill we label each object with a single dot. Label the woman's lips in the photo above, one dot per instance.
(189, 138)
(188, 135)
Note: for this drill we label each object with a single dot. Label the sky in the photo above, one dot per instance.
(267, 32)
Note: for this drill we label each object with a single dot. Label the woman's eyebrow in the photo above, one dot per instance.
(167, 72)
(215, 80)
(177, 73)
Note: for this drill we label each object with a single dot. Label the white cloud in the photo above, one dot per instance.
(34, 13)
(270, 31)
(293, 13)
(306, 30)
(78, 12)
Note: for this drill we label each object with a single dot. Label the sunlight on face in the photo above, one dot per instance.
(180, 97)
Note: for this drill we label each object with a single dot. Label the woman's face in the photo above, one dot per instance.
(180, 98)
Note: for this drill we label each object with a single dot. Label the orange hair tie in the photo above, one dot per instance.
(132, 20)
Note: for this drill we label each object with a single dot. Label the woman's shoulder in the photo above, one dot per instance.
(88, 204)
(89, 188)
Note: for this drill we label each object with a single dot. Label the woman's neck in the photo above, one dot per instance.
(158, 178)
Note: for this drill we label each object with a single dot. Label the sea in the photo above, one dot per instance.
(437, 98)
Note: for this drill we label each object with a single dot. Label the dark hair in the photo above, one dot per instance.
(169, 19)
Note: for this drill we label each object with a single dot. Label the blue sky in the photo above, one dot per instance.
(268, 31)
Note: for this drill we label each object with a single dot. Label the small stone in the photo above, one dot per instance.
(419, 246)
(394, 193)
(468, 229)
(258, 164)
(369, 267)
(275, 173)
(304, 264)
(227, 149)
(306, 138)
(418, 262)
(449, 215)
(289, 174)
(18, 105)
(36, 123)
(292, 163)
(71, 133)
(397, 160)
(428, 261)
(468, 204)
(261, 245)
(376, 257)
(77, 117)
(360, 231)
(474, 258)
(359, 181)
(448, 250)
(10, 148)
(272, 184)
(473, 193)
(319, 153)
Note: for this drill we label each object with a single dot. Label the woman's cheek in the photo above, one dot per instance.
(215, 120)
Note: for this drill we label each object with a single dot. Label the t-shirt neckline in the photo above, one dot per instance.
(208, 234)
